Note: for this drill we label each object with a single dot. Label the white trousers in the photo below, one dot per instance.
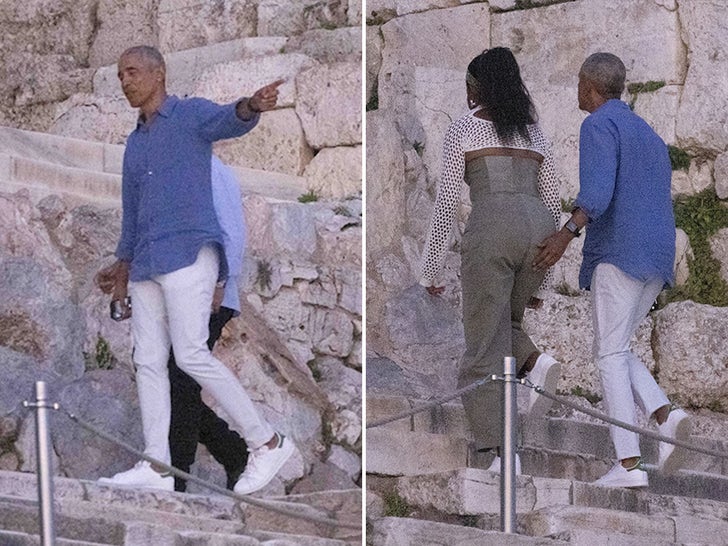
(174, 310)
(619, 304)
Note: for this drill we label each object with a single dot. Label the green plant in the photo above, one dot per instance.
(636, 88)
(395, 506)
(567, 205)
(315, 372)
(308, 197)
(341, 210)
(589, 396)
(373, 102)
(102, 357)
(701, 216)
(264, 275)
(679, 158)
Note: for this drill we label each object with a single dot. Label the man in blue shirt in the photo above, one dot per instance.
(624, 201)
(171, 253)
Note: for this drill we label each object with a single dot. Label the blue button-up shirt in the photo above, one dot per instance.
(168, 212)
(229, 210)
(624, 189)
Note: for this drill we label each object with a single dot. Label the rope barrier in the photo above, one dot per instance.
(432, 404)
(190, 478)
(560, 400)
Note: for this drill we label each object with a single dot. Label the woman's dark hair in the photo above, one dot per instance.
(501, 91)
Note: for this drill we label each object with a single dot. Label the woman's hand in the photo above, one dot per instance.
(435, 290)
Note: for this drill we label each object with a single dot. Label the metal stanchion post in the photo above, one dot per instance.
(45, 481)
(508, 449)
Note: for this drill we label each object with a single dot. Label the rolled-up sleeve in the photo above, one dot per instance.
(218, 122)
(598, 156)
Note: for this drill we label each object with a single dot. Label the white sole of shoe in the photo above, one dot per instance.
(289, 448)
(677, 459)
(541, 404)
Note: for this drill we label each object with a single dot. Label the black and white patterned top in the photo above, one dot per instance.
(467, 134)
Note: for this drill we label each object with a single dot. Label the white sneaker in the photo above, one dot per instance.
(677, 426)
(142, 476)
(545, 373)
(619, 476)
(495, 466)
(263, 464)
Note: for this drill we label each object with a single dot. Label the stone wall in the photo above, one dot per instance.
(61, 77)
(417, 53)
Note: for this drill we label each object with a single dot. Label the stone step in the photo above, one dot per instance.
(541, 501)
(552, 433)
(46, 164)
(11, 538)
(85, 504)
(392, 531)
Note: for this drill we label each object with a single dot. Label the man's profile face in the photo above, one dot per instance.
(140, 79)
(583, 93)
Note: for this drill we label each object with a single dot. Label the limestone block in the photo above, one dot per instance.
(720, 173)
(374, 45)
(703, 114)
(391, 453)
(719, 250)
(467, 491)
(120, 25)
(698, 177)
(659, 109)
(45, 78)
(186, 24)
(688, 340)
(447, 38)
(556, 519)
(335, 172)
(353, 13)
(655, 52)
(276, 144)
(227, 82)
(385, 183)
(683, 254)
(284, 18)
(329, 104)
(426, 335)
(328, 46)
(342, 385)
(345, 460)
(89, 117)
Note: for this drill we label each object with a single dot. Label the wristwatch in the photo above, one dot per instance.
(573, 228)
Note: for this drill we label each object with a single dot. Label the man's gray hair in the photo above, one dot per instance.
(148, 53)
(606, 72)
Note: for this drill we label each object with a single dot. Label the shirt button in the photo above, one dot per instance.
(150, 173)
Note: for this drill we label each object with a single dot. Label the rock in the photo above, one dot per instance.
(335, 172)
(701, 115)
(345, 460)
(323, 477)
(106, 399)
(683, 255)
(282, 18)
(688, 340)
(90, 117)
(720, 172)
(120, 25)
(185, 24)
(659, 109)
(329, 104)
(276, 144)
(374, 45)
(328, 46)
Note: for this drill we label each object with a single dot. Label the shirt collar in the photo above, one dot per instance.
(164, 110)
